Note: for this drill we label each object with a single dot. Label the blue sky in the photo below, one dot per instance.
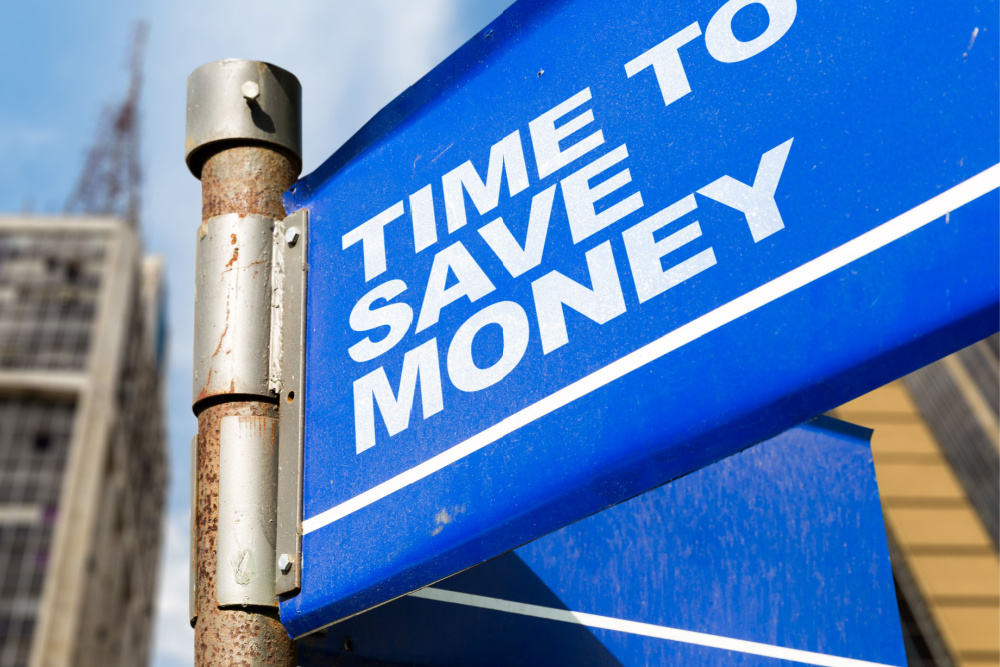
(67, 61)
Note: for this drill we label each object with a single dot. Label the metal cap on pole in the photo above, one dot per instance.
(244, 143)
(242, 101)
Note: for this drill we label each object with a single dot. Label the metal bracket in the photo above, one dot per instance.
(288, 282)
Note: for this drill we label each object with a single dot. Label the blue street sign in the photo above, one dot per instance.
(605, 244)
(776, 553)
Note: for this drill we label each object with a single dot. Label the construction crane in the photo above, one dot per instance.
(110, 183)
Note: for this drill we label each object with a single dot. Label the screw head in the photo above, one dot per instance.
(250, 90)
(284, 563)
(292, 236)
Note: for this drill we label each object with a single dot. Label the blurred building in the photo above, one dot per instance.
(82, 456)
(937, 456)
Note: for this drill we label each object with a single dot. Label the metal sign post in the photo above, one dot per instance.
(243, 142)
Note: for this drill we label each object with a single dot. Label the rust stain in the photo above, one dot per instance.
(223, 336)
(245, 180)
(232, 239)
(236, 256)
(205, 392)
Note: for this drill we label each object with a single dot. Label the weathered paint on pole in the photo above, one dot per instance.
(243, 143)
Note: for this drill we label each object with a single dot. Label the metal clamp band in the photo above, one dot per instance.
(233, 306)
(248, 495)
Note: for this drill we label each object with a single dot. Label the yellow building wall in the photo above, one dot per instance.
(936, 529)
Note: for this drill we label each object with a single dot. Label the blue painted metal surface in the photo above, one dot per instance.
(516, 415)
(782, 544)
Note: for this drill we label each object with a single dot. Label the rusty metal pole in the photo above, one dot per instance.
(244, 143)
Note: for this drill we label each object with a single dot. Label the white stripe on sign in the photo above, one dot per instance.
(839, 257)
(644, 629)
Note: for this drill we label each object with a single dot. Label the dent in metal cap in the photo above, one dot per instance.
(245, 101)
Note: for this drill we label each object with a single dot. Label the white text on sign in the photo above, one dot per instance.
(590, 208)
